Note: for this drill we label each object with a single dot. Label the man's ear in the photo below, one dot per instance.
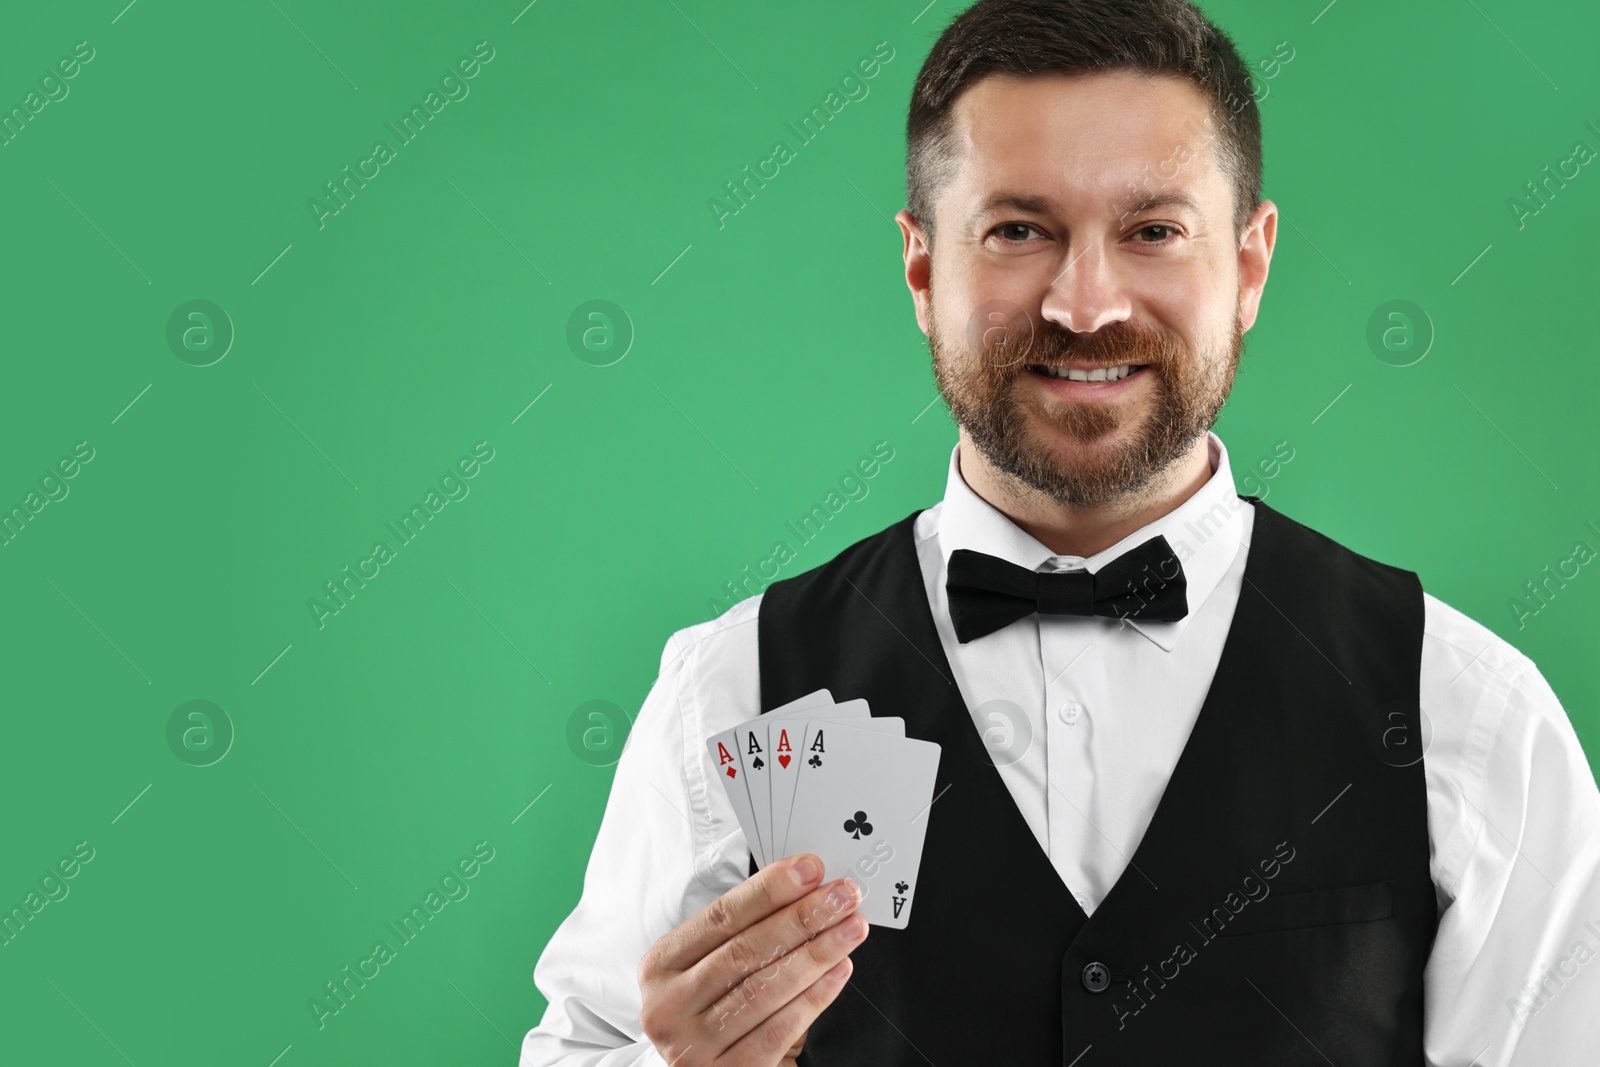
(1255, 256)
(919, 265)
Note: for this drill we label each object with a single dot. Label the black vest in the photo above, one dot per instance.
(1279, 908)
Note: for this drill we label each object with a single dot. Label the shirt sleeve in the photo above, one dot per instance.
(664, 850)
(1514, 976)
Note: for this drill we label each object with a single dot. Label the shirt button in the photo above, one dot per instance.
(1096, 977)
(1083, 902)
(1070, 712)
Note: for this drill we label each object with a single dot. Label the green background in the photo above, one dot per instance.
(371, 353)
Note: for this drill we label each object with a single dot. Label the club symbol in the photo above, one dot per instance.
(857, 826)
(814, 761)
(901, 887)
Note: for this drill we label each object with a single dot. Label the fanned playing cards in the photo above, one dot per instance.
(830, 779)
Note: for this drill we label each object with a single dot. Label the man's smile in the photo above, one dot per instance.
(1082, 381)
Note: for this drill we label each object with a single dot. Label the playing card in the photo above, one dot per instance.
(727, 756)
(744, 765)
(818, 704)
(784, 739)
(727, 751)
(862, 804)
(757, 767)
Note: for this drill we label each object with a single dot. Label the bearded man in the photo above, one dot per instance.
(1271, 802)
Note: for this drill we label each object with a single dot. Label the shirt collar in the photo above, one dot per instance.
(1205, 532)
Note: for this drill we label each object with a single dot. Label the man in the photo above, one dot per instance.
(1229, 835)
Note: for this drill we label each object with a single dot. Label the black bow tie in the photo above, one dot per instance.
(987, 593)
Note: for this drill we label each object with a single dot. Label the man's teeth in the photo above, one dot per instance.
(1099, 374)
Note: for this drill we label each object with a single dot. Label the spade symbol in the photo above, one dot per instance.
(857, 826)
(815, 761)
(758, 764)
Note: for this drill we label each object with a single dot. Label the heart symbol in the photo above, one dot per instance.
(783, 761)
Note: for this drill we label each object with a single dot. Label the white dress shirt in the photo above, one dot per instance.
(1513, 810)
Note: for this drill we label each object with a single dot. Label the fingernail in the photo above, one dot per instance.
(843, 894)
(853, 928)
(805, 871)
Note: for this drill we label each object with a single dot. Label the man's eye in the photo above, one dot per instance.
(1165, 230)
(1009, 232)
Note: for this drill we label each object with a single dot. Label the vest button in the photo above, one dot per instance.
(1096, 977)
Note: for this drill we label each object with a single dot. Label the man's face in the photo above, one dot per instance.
(1046, 263)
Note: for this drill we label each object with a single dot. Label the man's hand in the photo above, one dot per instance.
(739, 983)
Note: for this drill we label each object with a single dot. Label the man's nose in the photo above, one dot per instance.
(1086, 292)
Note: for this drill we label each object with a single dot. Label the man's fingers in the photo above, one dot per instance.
(760, 895)
(767, 964)
(787, 1027)
(799, 1044)
(748, 1004)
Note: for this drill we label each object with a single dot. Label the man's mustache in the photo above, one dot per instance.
(1099, 349)
(1008, 338)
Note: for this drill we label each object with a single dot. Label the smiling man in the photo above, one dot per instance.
(1212, 787)
(1093, 321)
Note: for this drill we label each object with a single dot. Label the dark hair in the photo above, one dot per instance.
(1072, 37)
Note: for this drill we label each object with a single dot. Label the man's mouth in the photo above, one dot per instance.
(1085, 374)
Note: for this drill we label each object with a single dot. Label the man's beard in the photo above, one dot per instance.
(979, 379)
